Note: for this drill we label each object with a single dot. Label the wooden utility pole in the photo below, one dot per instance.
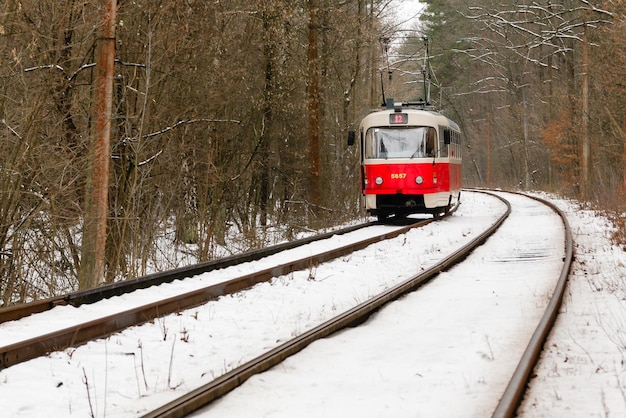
(91, 271)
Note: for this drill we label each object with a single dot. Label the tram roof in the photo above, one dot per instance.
(415, 117)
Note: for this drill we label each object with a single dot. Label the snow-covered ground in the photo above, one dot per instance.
(582, 371)
(140, 368)
(447, 350)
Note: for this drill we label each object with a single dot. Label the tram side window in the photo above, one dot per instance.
(453, 149)
(443, 147)
(431, 141)
(414, 142)
(456, 144)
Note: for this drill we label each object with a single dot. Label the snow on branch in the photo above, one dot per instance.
(79, 69)
(44, 67)
(188, 121)
(539, 25)
(149, 160)
(13, 131)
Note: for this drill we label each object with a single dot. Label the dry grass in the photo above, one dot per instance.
(619, 237)
(618, 219)
(612, 204)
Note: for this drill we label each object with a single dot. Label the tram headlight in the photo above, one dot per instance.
(419, 179)
(379, 180)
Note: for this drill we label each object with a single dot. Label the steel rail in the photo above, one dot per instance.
(116, 289)
(205, 394)
(514, 392)
(79, 334)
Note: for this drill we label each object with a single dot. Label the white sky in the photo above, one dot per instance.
(408, 13)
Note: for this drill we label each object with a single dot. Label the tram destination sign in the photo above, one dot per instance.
(398, 118)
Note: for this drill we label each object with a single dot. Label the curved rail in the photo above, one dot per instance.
(514, 392)
(204, 395)
(79, 334)
(116, 289)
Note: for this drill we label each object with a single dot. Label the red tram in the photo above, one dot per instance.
(410, 161)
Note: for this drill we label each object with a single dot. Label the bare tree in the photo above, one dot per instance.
(519, 58)
(208, 132)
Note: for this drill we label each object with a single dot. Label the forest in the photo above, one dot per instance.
(228, 118)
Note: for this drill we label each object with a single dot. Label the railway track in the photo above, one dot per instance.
(514, 392)
(226, 382)
(206, 394)
(74, 335)
(509, 401)
(116, 289)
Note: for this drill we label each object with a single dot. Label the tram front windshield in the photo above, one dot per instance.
(413, 142)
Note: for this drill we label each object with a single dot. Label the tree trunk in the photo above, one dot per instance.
(624, 154)
(527, 180)
(269, 52)
(489, 150)
(315, 188)
(585, 115)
